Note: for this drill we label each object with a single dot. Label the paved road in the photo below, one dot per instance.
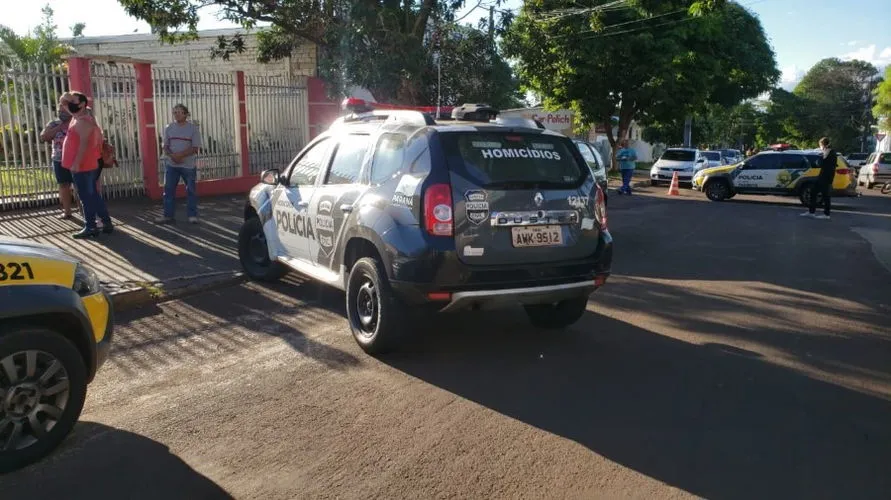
(740, 351)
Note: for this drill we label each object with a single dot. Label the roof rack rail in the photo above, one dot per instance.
(518, 122)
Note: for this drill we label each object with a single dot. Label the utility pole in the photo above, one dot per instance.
(492, 25)
(688, 131)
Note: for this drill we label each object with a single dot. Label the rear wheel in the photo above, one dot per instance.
(558, 315)
(804, 195)
(377, 318)
(254, 254)
(43, 383)
(717, 190)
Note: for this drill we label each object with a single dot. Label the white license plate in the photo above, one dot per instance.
(536, 236)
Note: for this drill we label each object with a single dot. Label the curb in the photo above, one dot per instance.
(148, 293)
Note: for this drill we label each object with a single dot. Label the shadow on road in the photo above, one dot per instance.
(714, 420)
(226, 321)
(98, 461)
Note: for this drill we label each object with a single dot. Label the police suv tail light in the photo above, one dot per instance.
(600, 208)
(438, 216)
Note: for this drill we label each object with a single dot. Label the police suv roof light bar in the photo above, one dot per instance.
(474, 113)
(361, 110)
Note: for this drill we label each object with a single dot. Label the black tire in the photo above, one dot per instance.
(49, 348)
(886, 188)
(377, 318)
(717, 190)
(559, 315)
(254, 254)
(804, 196)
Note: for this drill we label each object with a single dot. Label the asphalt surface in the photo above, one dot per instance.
(739, 351)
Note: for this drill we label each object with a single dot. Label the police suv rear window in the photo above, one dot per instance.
(495, 158)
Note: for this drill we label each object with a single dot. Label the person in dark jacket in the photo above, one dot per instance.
(823, 185)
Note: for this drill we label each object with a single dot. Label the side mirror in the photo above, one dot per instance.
(270, 177)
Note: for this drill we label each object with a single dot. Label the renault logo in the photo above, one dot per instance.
(538, 199)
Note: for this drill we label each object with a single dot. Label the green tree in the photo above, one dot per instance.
(472, 70)
(41, 46)
(383, 45)
(882, 108)
(836, 101)
(650, 61)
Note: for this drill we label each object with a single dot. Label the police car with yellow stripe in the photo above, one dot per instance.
(55, 333)
(783, 173)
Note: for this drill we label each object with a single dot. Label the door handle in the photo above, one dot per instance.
(346, 208)
(302, 204)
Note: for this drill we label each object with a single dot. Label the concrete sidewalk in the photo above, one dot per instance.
(142, 261)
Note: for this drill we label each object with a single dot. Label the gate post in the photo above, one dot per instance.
(79, 78)
(241, 111)
(148, 135)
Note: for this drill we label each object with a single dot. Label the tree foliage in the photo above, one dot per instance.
(386, 46)
(835, 100)
(650, 61)
(41, 46)
(714, 127)
(882, 109)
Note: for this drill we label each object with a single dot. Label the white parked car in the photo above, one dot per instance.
(876, 170)
(684, 161)
(712, 159)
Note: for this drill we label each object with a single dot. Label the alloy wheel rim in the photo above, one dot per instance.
(367, 306)
(34, 391)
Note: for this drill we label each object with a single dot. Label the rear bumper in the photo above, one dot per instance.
(500, 285)
(529, 295)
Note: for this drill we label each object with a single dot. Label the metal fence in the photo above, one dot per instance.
(114, 106)
(28, 97)
(277, 120)
(210, 98)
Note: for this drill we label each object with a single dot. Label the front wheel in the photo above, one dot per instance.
(377, 318)
(717, 190)
(886, 188)
(558, 315)
(43, 384)
(254, 253)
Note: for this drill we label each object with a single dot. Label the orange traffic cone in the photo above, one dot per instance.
(673, 188)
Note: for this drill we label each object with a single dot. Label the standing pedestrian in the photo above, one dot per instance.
(55, 132)
(182, 141)
(627, 158)
(823, 184)
(81, 151)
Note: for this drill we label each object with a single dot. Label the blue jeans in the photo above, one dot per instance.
(91, 201)
(627, 174)
(172, 175)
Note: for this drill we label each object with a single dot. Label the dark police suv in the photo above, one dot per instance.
(400, 212)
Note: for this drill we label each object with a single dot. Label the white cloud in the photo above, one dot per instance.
(870, 54)
(791, 76)
(854, 42)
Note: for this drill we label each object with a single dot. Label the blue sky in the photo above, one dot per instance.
(801, 31)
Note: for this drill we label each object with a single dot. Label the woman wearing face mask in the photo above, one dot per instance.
(55, 132)
(81, 151)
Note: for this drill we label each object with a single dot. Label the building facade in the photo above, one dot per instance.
(195, 56)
